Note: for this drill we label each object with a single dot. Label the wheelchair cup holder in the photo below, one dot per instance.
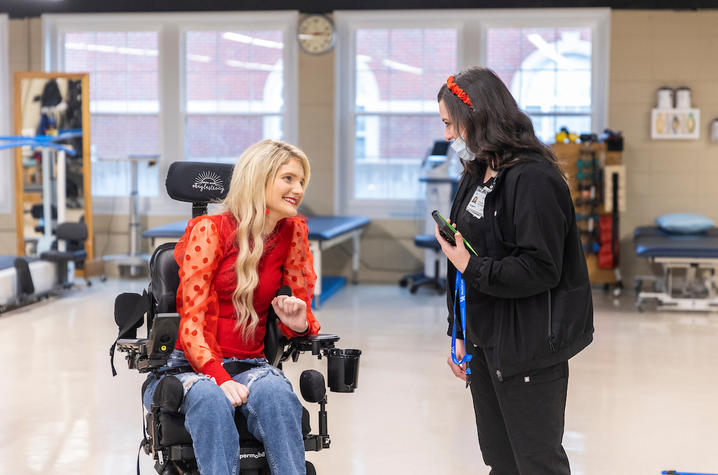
(343, 369)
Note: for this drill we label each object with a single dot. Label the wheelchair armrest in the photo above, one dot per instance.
(317, 344)
(146, 354)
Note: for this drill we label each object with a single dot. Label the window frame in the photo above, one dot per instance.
(171, 28)
(7, 197)
(347, 23)
(472, 26)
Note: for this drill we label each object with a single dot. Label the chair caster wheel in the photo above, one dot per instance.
(638, 285)
(403, 282)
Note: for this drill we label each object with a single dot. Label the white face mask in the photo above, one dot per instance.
(459, 146)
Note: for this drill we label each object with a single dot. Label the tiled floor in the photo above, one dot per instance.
(642, 398)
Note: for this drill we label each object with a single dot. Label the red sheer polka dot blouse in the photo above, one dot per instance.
(206, 255)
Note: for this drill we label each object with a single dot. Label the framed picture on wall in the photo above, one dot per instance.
(676, 124)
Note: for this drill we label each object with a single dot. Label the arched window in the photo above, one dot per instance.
(234, 92)
(548, 71)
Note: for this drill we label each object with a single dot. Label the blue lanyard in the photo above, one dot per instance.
(460, 288)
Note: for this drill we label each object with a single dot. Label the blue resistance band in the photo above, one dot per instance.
(460, 288)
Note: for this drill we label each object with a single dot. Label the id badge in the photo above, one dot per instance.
(476, 205)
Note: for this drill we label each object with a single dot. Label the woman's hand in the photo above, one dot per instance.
(458, 255)
(292, 311)
(459, 370)
(236, 393)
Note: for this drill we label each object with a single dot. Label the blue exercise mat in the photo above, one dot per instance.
(321, 228)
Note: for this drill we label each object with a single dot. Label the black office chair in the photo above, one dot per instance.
(419, 279)
(74, 235)
(164, 435)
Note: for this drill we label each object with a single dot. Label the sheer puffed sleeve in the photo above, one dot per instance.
(198, 254)
(298, 273)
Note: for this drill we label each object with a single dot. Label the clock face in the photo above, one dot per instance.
(316, 34)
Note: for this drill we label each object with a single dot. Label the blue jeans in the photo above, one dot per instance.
(273, 413)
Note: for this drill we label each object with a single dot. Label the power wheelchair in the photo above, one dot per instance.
(164, 434)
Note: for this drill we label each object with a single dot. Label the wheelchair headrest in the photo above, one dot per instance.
(198, 182)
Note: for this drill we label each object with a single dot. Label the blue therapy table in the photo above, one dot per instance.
(324, 233)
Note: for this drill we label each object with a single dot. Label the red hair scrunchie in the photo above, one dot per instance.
(458, 92)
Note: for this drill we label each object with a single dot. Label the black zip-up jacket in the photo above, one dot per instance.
(533, 265)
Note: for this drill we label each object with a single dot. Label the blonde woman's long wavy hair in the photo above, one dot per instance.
(247, 201)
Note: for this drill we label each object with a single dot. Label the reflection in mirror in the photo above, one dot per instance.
(52, 167)
(50, 107)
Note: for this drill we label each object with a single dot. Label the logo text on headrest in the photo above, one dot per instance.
(208, 181)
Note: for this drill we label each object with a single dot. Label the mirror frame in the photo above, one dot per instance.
(86, 171)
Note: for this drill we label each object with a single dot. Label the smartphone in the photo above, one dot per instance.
(447, 231)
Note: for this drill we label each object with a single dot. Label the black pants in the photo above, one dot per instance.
(520, 420)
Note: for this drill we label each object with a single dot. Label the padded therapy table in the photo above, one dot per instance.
(324, 233)
(43, 274)
(697, 254)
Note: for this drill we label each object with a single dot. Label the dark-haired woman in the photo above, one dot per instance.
(528, 306)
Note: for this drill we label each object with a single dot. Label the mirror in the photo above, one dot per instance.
(52, 168)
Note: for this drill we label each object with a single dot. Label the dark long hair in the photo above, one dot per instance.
(496, 131)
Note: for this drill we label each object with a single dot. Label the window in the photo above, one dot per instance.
(124, 104)
(554, 61)
(234, 92)
(398, 72)
(548, 71)
(388, 85)
(195, 87)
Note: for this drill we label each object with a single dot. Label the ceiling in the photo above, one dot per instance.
(34, 8)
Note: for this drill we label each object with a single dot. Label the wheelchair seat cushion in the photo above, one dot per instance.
(173, 432)
(168, 396)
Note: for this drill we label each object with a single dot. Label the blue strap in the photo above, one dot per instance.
(49, 141)
(36, 143)
(460, 288)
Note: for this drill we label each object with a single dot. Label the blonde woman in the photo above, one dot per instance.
(231, 266)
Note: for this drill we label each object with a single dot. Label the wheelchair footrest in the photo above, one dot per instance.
(315, 443)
